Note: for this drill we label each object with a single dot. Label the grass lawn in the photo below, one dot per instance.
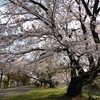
(42, 94)
(94, 96)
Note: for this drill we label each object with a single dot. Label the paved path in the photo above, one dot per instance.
(14, 91)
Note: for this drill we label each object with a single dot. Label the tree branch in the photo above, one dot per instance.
(98, 10)
(40, 5)
(31, 12)
(95, 7)
(86, 8)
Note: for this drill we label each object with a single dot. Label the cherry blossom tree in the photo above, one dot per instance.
(54, 26)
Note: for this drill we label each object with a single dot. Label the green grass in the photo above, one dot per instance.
(94, 96)
(44, 94)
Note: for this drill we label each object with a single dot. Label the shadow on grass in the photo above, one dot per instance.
(54, 97)
(50, 97)
(62, 97)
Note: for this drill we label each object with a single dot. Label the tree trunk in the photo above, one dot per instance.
(41, 84)
(8, 81)
(51, 84)
(75, 87)
(1, 78)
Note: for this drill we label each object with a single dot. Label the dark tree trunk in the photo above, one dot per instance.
(75, 87)
(18, 83)
(51, 84)
(1, 78)
(8, 81)
(41, 84)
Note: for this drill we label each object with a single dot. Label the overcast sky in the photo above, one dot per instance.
(2, 1)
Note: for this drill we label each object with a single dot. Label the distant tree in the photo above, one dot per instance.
(44, 72)
(2, 65)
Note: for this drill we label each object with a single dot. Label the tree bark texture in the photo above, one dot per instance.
(75, 87)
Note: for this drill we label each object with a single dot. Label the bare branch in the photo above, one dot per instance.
(95, 7)
(86, 8)
(40, 5)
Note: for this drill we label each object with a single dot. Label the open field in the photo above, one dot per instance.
(44, 94)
